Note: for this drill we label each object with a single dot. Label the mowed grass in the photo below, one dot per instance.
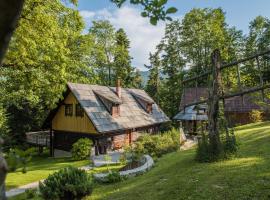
(179, 176)
(39, 168)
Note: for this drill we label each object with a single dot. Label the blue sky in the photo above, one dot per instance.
(144, 37)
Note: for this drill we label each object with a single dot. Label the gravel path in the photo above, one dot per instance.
(22, 189)
(188, 144)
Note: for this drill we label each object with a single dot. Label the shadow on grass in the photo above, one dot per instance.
(253, 126)
(179, 176)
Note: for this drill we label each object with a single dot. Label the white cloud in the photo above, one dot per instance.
(142, 35)
(86, 14)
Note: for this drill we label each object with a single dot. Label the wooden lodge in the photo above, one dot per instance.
(193, 118)
(111, 116)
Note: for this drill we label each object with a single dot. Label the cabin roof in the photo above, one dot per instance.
(132, 114)
(191, 114)
(245, 103)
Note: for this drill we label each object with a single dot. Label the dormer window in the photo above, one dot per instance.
(115, 110)
(79, 110)
(68, 109)
(145, 102)
(149, 108)
(111, 102)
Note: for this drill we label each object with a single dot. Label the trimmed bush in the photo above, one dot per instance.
(81, 149)
(114, 177)
(67, 184)
(157, 145)
(256, 116)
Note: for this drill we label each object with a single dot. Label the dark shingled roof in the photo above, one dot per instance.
(132, 115)
(191, 114)
(234, 104)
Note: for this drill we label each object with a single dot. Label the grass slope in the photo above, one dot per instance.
(178, 176)
(40, 168)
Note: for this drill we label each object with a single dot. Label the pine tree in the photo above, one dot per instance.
(122, 60)
(153, 83)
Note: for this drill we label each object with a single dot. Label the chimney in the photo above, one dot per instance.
(118, 88)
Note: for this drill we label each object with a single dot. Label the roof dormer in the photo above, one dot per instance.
(145, 102)
(111, 100)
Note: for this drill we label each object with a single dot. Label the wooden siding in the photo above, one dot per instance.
(72, 123)
(65, 140)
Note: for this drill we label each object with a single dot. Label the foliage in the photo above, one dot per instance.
(256, 115)
(167, 63)
(218, 180)
(158, 145)
(39, 168)
(81, 149)
(257, 41)
(110, 55)
(47, 50)
(4, 129)
(230, 145)
(153, 83)
(30, 193)
(205, 153)
(133, 153)
(122, 61)
(154, 9)
(68, 183)
(17, 157)
(185, 51)
(108, 159)
(114, 177)
(226, 147)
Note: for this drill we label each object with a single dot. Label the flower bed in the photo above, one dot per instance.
(146, 163)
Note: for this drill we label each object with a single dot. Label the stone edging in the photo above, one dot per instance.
(148, 163)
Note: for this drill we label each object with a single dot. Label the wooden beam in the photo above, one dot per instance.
(224, 66)
(226, 96)
(51, 142)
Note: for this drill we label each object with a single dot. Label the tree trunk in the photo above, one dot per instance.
(3, 174)
(10, 11)
(214, 95)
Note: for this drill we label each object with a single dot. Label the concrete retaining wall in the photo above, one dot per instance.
(147, 164)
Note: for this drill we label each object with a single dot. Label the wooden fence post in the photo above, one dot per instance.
(51, 142)
(214, 95)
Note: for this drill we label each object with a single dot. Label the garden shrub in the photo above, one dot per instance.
(256, 116)
(223, 147)
(114, 177)
(81, 149)
(19, 158)
(67, 184)
(202, 154)
(230, 145)
(157, 145)
(227, 148)
(30, 193)
(4, 129)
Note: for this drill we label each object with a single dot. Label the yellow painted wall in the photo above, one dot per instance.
(79, 124)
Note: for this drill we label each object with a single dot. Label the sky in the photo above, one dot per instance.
(144, 37)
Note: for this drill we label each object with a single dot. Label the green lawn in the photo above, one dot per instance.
(178, 176)
(40, 168)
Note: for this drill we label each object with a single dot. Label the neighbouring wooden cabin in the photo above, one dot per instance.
(237, 109)
(193, 119)
(111, 116)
